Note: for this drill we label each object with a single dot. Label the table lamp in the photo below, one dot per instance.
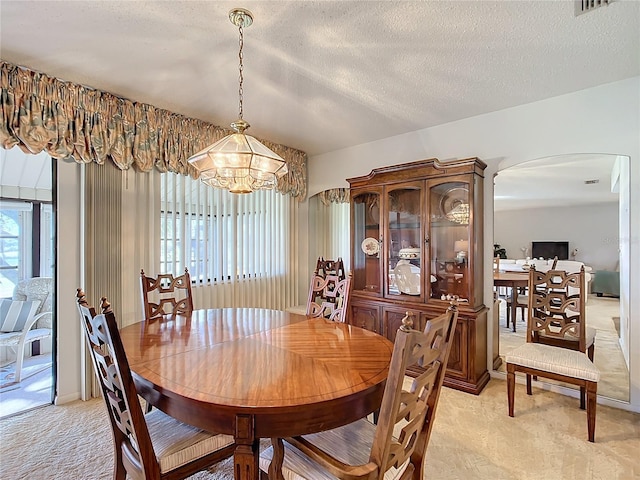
(461, 247)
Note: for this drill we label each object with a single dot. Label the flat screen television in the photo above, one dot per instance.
(550, 250)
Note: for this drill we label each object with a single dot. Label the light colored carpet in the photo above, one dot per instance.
(600, 312)
(473, 438)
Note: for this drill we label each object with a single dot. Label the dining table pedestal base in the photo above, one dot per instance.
(247, 452)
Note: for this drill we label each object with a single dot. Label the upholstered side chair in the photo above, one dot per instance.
(556, 344)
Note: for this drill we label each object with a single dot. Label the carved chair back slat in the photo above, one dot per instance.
(166, 294)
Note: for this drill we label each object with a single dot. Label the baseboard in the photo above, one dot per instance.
(71, 397)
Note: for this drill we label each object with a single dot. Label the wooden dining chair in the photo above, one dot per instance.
(152, 446)
(556, 344)
(393, 448)
(522, 302)
(328, 297)
(577, 292)
(172, 294)
(330, 267)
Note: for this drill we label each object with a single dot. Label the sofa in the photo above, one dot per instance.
(606, 282)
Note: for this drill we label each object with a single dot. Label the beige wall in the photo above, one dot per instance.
(592, 229)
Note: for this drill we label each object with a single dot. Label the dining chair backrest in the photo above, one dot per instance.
(557, 306)
(130, 433)
(328, 297)
(406, 415)
(166, 294)
(330, 267)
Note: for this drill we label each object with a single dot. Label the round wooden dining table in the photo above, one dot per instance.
(257, 373)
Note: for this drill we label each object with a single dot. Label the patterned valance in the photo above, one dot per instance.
(334, 195)
(68, 120)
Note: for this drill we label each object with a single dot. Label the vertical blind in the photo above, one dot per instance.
(241, 250)
(331, 224)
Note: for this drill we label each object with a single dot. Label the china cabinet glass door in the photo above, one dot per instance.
(366, 253)
(404, 240)
(449, 236)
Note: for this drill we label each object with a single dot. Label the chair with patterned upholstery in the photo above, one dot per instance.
(161, 295)
(26, 317)
(152, 446)
(395, 447)
(328, 297)
(330, 267)
(556, 343)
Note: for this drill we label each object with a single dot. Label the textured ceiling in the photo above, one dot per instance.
(320, 76)
(556, 181)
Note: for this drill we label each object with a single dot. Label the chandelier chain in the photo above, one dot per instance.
(241, 68)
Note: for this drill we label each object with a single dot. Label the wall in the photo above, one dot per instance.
(68, 261)
(504, 138)
(603, 119)
(592, 229)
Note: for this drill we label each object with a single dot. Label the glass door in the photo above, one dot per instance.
(404, 241)
(366, 231)
(450, 214)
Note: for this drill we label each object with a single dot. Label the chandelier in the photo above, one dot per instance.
(239, 162)
(459, 214)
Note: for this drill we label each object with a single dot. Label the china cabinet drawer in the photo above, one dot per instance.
(365, 316)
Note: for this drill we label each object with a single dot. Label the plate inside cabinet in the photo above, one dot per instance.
(374, 213)
(407, 278)
(453, 198)
(370, 246)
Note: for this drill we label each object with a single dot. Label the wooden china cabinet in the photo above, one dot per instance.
(417, 241)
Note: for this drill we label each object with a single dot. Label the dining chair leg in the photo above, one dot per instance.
(529, 392)
(592, 388)
(511, 386)
(582, 397)
(119, 472)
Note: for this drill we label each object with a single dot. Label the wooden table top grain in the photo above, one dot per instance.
(257, 373)
(519, 278)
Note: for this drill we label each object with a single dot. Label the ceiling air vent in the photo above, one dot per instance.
(584, 6)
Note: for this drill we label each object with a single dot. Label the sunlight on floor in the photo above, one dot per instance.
(33, 391)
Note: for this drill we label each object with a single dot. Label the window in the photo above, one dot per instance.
(218, 235)
(20, 256)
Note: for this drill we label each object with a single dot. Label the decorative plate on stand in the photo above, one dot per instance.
(452, 198)
(370, 246)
